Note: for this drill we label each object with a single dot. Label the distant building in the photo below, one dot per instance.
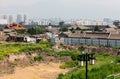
(78, 27)
(116, 23)
(19, 18)
(53, 30)
(15, 26)
(107, 20)
(83, 22)
(5, 17)
(25, 19)
(99, 39)
(3, 21)
(10, 19)
(89, 22)
(112, 29)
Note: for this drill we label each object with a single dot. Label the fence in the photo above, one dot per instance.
(88, 41)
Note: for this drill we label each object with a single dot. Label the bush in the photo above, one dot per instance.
(69, 64)
(68, 53)
(36, 30)
(38, 58)
(118, 59)
(60, 76)
(74, 57)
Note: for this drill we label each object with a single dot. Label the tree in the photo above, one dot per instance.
(64, 29)
(21, 31)
(72, 30)
(96, 28)
(36, 30)
(1, 29)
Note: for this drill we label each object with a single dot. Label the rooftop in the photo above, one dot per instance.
(91, 35)
(15, 26)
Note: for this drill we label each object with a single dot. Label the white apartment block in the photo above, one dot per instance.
(3, 21)
(89, 22)
(10, 18)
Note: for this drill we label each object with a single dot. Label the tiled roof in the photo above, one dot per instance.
(112, 26)
(92, 35)
(114, 36)
(75, 35)
(15, 26)
(97, 35)
(78, 26)
(111, 30)
(87, 35)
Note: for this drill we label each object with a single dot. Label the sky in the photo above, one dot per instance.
(86, 9)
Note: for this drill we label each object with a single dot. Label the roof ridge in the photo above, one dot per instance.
(84, 34)
(109, 35)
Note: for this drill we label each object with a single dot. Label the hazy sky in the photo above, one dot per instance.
(86, 9)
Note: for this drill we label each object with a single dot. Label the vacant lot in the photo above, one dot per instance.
(40, 71)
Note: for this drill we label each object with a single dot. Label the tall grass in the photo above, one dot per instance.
(105, 65)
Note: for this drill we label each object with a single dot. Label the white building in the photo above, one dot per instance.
(89, 22)
(19, 18)
(3, 21)
(25, 19)
(10, 20)
(9, 17)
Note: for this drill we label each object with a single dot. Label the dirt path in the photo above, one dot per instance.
(41, 71)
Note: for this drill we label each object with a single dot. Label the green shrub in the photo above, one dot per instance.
(64, 53)
(74, 57)
(68, 52)
(69, 64)
(118, 59)
(38, 58)
(60, 76)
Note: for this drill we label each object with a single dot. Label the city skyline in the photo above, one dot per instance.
(11, 18)
(63, 8)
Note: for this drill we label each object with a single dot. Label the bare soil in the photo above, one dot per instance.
(39, 71)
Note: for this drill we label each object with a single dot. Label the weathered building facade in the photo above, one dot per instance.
(99, 39)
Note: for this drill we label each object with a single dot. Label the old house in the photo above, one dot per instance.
(2, 36)
(100, 39)
(15, 26)
(78, 28)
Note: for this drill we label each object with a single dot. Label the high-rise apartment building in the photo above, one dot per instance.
(10, 20)
(25, 19)
(19, 18)
(5, 17)
(22, 18)
(108, 20)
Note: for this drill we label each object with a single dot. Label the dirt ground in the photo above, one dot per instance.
(40, 71)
